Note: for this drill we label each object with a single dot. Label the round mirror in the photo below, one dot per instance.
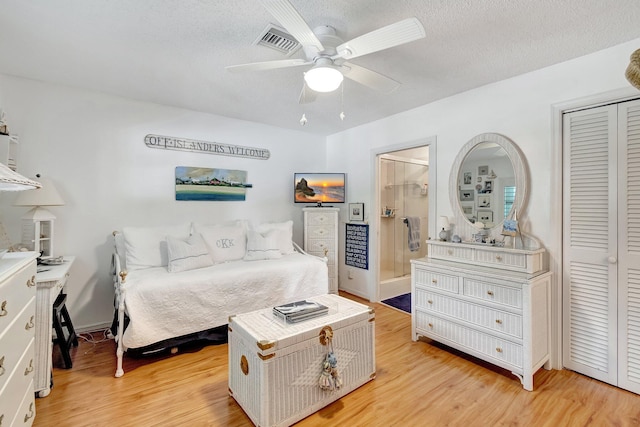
(487, 183)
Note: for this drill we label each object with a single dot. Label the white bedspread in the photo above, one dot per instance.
(163, 305)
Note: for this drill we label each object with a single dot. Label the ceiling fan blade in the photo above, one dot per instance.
(369, 78)
(291, 20)
(267, 65)
(306, 95)
(392, 35)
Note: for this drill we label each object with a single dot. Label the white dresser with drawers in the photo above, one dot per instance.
(321, 239)
(490, 302)
(17, 337)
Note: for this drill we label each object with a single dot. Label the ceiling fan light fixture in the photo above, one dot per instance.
(323, 78)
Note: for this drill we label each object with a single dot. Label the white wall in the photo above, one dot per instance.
(92, 146)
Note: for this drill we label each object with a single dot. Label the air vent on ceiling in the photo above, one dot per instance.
(278, 39)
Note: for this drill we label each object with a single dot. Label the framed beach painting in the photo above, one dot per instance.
(206, 184)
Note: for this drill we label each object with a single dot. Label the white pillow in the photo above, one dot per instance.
(147, 246)
(224, 242)
(284, 234)
(262, 246)
(187, 255)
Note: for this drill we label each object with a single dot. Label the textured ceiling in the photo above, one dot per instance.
(173, 52)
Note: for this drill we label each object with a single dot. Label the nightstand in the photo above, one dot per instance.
(50, 280)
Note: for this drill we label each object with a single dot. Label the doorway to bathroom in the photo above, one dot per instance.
(403, 200)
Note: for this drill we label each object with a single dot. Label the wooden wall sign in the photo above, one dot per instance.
(194, 145)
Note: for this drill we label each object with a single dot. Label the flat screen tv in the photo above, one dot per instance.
(319, 188)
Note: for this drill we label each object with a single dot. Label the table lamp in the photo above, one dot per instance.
(37, 224)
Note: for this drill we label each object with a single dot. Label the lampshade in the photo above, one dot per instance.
(46, 196)
(443, 222)
(633, 70)
(323, 78)
(13, 181)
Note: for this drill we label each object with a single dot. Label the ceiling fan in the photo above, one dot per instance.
(328, 54)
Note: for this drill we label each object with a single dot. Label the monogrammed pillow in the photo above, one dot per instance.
(224, 242)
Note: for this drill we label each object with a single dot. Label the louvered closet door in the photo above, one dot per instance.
(590, 236)
(629, 246)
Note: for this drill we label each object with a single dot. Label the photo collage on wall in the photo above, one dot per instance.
(476, 192)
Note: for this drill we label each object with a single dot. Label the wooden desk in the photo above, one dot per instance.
(50, 280)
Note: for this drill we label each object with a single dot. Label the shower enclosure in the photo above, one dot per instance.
(403, 183)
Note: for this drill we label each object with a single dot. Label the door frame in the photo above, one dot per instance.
(556, 228)
(431, 143)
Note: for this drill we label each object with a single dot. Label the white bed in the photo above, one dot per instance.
(161, 305)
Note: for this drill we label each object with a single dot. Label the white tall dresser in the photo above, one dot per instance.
(321, 239)
(490, 302)
(17, 338)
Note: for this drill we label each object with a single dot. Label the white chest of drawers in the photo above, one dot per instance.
(499, 315)
(321, 239)
(17, 336)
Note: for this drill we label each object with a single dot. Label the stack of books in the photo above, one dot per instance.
(300, 310)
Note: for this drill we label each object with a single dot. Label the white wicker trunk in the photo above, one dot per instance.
(274, 368)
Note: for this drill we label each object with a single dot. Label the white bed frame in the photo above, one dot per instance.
(119, 283)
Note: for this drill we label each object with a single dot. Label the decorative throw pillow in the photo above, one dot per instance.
(284, 234)
(224, 242)
(262, 246)
(147, 246)
(187, 254)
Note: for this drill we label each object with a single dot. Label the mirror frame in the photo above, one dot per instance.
(463, 227)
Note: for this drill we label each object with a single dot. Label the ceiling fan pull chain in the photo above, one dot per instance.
(342, 116)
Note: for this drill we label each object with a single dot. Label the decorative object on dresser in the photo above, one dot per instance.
(17, 330)
(321, 239)
(9, 151)
(276, 369)
(479, 296)
(50, 281)
(37, 224)
(444, 226)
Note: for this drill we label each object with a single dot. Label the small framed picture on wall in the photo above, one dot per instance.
(356, 211)
(484, 201)
(466, 195)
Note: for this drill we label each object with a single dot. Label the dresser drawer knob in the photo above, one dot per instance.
(499, 349)
(3, 309)
(430, 325)
(29, 325)
(2, 367)
(29, 368)
(30, 414)
(498, 257)
(31, 282)
(490, 293)
(430, 301)
(450, 252)
(499, 322)
(434, 281)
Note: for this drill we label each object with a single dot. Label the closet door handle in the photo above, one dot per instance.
(612, 260)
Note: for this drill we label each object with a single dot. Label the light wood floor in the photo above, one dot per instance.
(417, 384)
